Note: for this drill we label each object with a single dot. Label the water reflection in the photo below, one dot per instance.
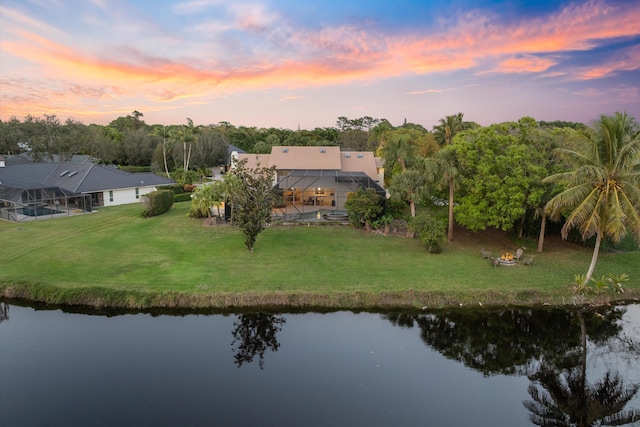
(511, 367)
(550, 347)
(254, 334)
(565, 397)
(4, 311)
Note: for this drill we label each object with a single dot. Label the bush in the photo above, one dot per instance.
(182, 197)
(430, 230)
(175, 188)
(363, 206)
(157, 202)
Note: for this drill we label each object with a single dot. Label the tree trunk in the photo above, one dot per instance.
(188, 156)
(184, 156)
(543, 225)
(594, 257)
(521, 228)
(450, 230)
(164, 155)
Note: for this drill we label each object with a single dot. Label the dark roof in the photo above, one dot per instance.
(77, 177)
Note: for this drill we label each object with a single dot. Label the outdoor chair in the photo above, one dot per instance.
(494, 261)
(485, 254)
(527, 261)
(518, 254)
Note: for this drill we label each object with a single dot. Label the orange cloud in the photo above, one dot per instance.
(332, 55)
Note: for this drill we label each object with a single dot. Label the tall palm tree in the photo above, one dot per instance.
(443, 171)
(187, 134)
(163, 131)
(602, 197)
(444, 133)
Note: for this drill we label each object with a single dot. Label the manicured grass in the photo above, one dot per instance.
(116, 252)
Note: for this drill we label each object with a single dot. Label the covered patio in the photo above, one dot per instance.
(313, 194)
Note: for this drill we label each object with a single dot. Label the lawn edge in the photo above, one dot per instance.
(101, 298)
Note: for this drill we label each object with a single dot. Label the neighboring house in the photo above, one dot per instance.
(314, 178)
(30, 189)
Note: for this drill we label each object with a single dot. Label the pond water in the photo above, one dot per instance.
(438, 368)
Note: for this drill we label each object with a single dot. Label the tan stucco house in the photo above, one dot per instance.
(318, 178)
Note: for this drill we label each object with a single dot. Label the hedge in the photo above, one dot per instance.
(157, 202)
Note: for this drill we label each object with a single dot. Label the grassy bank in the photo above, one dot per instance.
(114, 257)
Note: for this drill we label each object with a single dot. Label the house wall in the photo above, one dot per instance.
(123, 196)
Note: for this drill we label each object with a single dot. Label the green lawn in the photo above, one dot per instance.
(115, 251)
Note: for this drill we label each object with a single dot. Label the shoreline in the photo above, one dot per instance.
(100, 298)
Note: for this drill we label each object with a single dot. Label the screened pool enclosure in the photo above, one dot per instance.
(32, 202)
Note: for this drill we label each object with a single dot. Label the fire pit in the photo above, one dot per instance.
(507, 259)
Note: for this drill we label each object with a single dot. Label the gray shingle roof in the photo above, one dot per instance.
(77, 177)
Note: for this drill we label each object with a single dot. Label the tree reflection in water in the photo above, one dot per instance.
(564, 397)
(4, 311)
(253, 334)
(550, 347)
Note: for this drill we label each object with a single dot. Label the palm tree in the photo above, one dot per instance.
(602, 197)
(443, 165)
(408, 186)
(163, 131)
(187, 134)
(399, 150)
(444, 133)
(447, 129)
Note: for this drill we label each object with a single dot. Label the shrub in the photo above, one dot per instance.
(157, 202)
(182, 197)
(175, 188)
(363, 207)
(431, 231)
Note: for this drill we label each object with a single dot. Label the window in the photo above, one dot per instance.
(323, 150)
(360, 155)
(137, 193)
(111, 195)
(285, 150)
(347, 155)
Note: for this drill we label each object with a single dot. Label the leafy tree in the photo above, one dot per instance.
(502, 168)
(602, 195)
(130, 122)
(253, 200)
(430, 231)
(363, 207)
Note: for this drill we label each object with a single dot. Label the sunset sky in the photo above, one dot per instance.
(293, 63)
